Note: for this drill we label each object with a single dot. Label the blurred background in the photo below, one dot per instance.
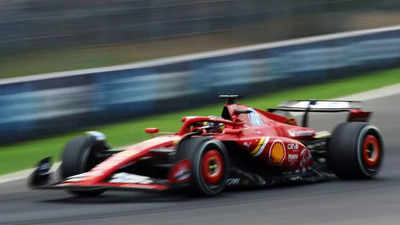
(46, 36)
(56, 35)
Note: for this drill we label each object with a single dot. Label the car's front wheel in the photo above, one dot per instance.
(79, 156)
(210, 164)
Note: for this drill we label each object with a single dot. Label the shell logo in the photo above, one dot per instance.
(277, 152)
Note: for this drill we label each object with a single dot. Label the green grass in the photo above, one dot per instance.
(24, 155)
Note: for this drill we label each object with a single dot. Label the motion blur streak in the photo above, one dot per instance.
(40, 107)
(32, 24)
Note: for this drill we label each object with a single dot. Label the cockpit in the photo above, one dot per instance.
(204, 124)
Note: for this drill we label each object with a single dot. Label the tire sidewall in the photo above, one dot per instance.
(198, 178)
(365, 169)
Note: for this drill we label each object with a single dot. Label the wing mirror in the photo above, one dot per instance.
(151, 130)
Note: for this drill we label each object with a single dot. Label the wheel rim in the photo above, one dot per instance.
(212, 166)
(371, 150)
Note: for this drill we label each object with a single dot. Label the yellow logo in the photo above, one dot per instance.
(260, 146)
(277, 153)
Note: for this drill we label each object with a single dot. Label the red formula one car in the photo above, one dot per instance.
(243, 147)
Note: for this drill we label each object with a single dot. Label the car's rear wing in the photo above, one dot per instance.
(317, 106)
(306, 106)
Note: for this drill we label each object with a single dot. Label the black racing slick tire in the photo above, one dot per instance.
(355, 151)
(210, 164)
(79, 156)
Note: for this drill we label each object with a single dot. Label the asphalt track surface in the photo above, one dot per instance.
(375, 201)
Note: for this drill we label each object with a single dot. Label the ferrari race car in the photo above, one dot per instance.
(244, 147)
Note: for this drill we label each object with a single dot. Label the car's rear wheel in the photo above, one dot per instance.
(79, 156)
(210, 164)
(356, 150)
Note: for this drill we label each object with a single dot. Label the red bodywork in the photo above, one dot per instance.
(273, 139)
